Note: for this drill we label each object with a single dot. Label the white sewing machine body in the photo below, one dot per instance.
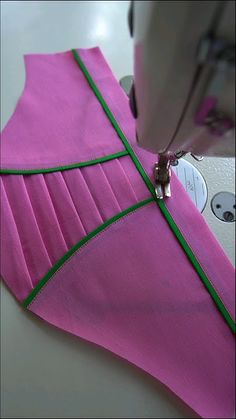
(184, 76)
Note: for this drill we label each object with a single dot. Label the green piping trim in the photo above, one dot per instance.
(61, 168)
(160, 203)
(197, 266)
(114, 122)
(77, 246)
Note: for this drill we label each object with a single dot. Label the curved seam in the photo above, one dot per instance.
(66, 167)
(149, 184)
(81, 244)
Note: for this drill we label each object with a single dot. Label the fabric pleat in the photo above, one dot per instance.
(35, 252)
(54, 211)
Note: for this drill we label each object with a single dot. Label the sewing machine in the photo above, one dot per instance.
(43, 352)
(183, 91)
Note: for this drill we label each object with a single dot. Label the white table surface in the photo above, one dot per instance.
(46, 373)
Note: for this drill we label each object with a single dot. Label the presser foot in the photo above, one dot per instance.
(162, 191)
(162, 174)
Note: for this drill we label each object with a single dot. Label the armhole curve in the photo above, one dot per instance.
(22, 91)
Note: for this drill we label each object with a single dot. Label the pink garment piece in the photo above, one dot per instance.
(130, 289)
(61, 208)
(50, 120)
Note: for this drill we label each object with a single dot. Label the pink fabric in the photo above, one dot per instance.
(52, 120)
(44, 215)
(205, 247)
(131, 289)
(124, 292)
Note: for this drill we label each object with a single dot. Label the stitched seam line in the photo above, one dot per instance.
(213, 286)
(62, 168)
(66, 257)
(198, 268)
(114, 123)
(184, 244)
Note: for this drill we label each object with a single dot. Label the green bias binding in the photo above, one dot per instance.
(114, 123)
(61, 168)
(216, 298)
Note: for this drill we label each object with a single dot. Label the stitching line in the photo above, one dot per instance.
(131, 210)
(211, 283)
(67, 167)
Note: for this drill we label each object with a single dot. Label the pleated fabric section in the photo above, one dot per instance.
(44, 215)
